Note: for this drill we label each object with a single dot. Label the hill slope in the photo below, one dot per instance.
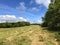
(28, 35)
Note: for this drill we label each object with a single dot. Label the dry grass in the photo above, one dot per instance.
(28, 35)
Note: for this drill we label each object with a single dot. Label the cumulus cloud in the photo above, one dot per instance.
(11, 18)
(44, 2)
(21, 6)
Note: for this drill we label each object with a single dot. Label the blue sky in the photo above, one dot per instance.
(23, 10)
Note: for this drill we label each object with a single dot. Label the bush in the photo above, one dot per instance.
(16, 24)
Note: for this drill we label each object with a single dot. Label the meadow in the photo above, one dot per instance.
(28, 35)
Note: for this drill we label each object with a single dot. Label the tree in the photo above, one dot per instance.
(15, 24)
(52, 17)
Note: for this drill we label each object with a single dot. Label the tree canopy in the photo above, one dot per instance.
(52, 17)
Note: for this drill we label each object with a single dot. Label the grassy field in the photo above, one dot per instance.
(28, 35)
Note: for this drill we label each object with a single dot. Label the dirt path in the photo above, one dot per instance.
(35, 40)
(45, 37)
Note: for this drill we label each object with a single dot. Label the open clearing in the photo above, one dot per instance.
(28, 35)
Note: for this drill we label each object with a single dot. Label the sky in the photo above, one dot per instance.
(23, 10)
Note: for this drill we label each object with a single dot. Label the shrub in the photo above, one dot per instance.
(16, 24)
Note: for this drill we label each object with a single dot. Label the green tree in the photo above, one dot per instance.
(52, 17)
(15, 24)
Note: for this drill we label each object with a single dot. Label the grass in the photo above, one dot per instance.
(41, 38)
(23, 41)
(49, 43)
(57, 36)
(28, 35)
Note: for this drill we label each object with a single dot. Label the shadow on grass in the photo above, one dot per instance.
(51, 29)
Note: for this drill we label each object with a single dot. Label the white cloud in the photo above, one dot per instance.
(21, 6)
(44, 2)
(22, 19)
(39, 21)
(35, 9)
(11, 18)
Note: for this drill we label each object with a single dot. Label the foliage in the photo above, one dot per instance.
(52, 17)
(16, 24)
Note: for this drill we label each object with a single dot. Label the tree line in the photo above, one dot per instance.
(52, 17)
(15, 24)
